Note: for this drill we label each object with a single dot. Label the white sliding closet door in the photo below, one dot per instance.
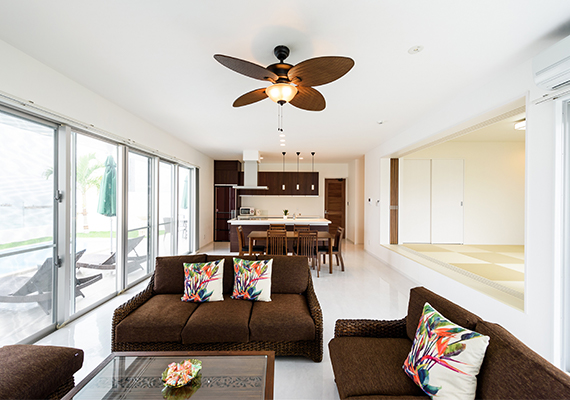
(415, 201)
(447, 201)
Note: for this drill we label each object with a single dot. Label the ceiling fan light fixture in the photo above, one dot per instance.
(281, 93)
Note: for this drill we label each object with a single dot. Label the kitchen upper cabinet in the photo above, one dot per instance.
(308, 184)
(227, 172)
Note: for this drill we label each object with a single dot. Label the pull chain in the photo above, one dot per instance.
(280, 118)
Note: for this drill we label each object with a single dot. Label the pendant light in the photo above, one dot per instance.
(283, 185)
(298, 153)
(313, 170)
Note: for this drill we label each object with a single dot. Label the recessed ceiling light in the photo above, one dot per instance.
(282, 144)
(282, 135)
(415, 49)
(261, 158)
(282, 140)
(300, 158)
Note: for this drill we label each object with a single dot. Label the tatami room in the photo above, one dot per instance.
(461, 205)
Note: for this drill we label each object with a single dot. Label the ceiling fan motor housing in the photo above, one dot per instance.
(281, 52)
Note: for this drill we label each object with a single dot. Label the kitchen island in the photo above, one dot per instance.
(252, 223)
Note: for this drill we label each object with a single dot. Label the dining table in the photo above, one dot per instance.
(322, 236)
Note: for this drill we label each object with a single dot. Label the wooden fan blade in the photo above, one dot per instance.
(246, 68)
(320, 70)
(309, 99)
(250, 97)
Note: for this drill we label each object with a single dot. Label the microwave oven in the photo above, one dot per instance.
(246, 211)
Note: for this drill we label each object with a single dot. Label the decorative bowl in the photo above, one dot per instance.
(181, 374)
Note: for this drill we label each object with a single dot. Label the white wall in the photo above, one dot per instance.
(28, 79)
(538, 325)
(315, 206)
(493, 188)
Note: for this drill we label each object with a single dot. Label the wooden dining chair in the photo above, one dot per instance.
(244, 245)
(279, 227)
(276, 242)
(336, 249)
(307, 247)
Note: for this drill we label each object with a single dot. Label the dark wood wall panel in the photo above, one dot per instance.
(394, 189)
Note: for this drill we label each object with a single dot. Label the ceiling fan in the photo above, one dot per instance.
(290, 84)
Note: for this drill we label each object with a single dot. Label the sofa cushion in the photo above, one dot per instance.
(285, 318)
(445, 358)
(228, 280)
(365, 366)
(203, 281)
(169, 273)
(220, 321)
(252, 280)
(35, 372)
(160, 319)
(513, 371)
(456, 314)
(290, 273)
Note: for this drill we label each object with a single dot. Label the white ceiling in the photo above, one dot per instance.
(155, 59)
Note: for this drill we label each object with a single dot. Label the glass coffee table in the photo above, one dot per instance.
(137, 375)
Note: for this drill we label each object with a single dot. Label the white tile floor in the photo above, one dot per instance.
(367, 289)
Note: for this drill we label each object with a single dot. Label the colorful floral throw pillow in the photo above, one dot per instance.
(252, 280)
(203, 281)
(445, 358)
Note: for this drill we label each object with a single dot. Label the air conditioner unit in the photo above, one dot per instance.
(551, 68)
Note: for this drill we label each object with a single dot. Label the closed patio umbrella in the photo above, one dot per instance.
(108, 193)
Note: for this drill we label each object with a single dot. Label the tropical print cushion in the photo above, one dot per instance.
(252, 280)
(203, 281)
(445, 358)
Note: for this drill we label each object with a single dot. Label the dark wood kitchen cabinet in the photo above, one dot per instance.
(227, 172)
(308, 184)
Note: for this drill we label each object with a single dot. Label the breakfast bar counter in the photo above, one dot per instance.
(250, 224)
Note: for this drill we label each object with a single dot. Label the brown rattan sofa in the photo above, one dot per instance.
(291, 324)
(38, 372)
(367, 357)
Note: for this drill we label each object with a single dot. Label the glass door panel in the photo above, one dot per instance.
(95, 221)
(184, 206)
(166, 221)
(27, 218)
(138, 217)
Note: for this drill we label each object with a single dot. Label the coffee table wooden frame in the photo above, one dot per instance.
(269, 373)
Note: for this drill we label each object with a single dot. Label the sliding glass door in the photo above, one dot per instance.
(166, 217)
(27, 227)
(95, 223)
(81, 217)
(139, 217)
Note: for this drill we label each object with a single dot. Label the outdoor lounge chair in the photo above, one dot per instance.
(37, 289)
(133, 263)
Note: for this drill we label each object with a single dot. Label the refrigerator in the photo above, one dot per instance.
(225, 208)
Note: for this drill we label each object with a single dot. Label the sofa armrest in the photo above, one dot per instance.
(125, 309)
(315, 310)
(371, 328)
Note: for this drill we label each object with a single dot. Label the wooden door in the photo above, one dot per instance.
(335, 200)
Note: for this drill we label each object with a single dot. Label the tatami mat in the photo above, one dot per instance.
(501, 266)
(492, 272)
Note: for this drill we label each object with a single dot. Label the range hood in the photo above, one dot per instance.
(250, 160)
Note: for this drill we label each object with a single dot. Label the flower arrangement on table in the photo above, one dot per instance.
(181, 380)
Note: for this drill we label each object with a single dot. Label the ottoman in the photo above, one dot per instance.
(38, 372)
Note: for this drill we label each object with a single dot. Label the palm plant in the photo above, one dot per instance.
(85, 179)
